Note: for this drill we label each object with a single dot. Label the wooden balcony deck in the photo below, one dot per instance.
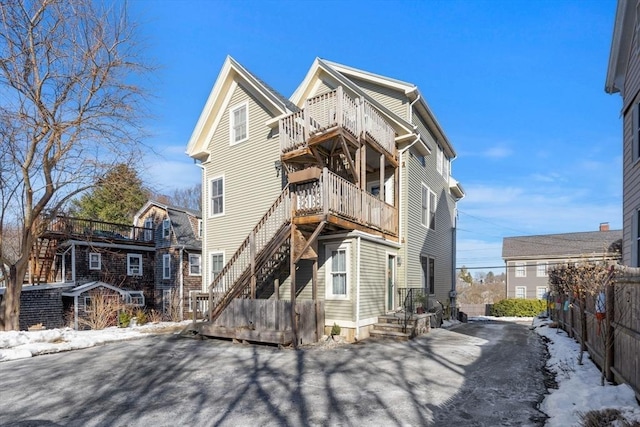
(65, 227)
(328, 114)
(342, 203)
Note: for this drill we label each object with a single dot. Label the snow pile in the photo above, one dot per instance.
(23, 344)
(579, 390)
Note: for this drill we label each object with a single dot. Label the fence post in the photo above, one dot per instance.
(610, 331)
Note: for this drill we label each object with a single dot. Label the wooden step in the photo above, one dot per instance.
(397, 336)
(391, 318)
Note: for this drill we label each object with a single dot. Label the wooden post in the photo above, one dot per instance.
(396, 199)
(325, 191)
(276, 288)
(339, 106)
(363, 166)
(307, 119)
(382, 177)
(314, 291)
(292, 275)
(609, 350)
(252, 255)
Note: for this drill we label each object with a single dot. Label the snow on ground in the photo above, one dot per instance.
(578, 392)
(22, 344)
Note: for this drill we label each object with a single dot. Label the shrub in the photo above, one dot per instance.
(141, 317)
(335, 329)
(124, 318)
(102, 311)
(518, 308)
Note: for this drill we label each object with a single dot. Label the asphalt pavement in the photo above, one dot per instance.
(476, 374)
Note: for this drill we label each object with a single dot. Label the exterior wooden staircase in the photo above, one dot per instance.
(258, 259)
(42, 259)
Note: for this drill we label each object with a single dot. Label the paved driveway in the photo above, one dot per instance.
(478, 374)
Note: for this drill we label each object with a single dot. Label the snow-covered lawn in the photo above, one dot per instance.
(23, 344)
(578, 392)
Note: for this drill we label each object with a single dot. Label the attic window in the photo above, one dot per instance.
(166, 228)
(239, 123)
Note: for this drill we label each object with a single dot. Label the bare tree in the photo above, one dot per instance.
(69, 110)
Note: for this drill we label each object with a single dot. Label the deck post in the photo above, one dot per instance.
(363, 165)
(325, 191)
(292, 275)
(276, 288)
(314, 291)
(339, 106)
(381, 194)
(307, 119)
(252, 255)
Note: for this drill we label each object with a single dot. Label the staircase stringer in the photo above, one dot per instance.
(271, 232)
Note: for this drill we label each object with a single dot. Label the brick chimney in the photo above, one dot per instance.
(604, 226)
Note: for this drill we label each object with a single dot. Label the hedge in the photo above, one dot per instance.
(518, 308)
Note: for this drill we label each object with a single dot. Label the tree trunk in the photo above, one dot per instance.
(10, 305)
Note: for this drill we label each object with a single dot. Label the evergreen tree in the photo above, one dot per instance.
(115, 198)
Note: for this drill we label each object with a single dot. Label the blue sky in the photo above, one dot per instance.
(518, 87)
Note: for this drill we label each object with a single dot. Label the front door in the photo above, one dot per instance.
(391, 280)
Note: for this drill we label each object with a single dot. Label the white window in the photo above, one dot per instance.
(521, 269)
(541, 292)
(239, 123)
(446, 163)
(135, 298)
(87, 303)
(194, 265)
(337, 272)
(166, 302)
(134, 265)
(216, 188)
(166, 228)
(216, 264)
(428, 209)
(95, 261)
(541, 269)
(200, 228)
(148, 232)
(439, 161)
(521, 292)
(166, 266)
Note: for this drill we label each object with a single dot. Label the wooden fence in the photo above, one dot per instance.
(621, 321)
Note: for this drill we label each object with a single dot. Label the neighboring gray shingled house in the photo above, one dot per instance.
(528, 258)
(178, 242)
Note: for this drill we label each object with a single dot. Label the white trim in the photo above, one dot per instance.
(99, 259)
(365, 236)
(232, 135)
(358, 259)
(129, 257)
(209, 263)
(199, 256)
(166, 266)
(524, 288)
(166, 228)
(329, 248)
(107, 245)
(148, 223)
(523, 266)
(210, 200)
(546, 269)
(394, 279)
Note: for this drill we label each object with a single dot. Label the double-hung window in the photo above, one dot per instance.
(521, 269)
(148, 232)
(521, 292)
(239, 123)
(541, 269)
(216, 206)
(428, 208)
(166, 228)
(439, 160)
(194, 265)
(337, 272)
(166, 266)
(134, 265)
(95, 262)
(216, 265)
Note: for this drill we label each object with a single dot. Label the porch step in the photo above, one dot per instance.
(398, 336)
(391, 318)
(392, 327)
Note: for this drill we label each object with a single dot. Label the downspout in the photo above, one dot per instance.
(452, 295)
(358, 291)
(181, 280)
(400, 191)
(75, 312)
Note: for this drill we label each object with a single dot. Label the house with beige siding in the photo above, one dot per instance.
(340, 194)
(528, 259)
(623, 77)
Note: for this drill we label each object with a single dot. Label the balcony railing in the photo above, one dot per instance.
(87, 228)
(332, 194)
(331, 110)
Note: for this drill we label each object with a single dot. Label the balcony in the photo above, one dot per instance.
(69, 227)
(327, 196)
(327, 115)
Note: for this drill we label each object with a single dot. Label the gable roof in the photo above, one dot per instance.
(620, 45)
(302, 92)
(180, 223)
(409, 89)
(231, 72)
(92, 285)
(560, 245)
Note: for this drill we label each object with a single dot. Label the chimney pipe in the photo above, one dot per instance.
(604, 226)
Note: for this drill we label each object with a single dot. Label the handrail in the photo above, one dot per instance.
(408, 308)
(100, 229)
(334, 194)
(265, 230)
(335, 109)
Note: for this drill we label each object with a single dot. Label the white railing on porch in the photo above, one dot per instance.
(335, 195)
(330, 110)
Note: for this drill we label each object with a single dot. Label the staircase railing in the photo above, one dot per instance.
(229, 281)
